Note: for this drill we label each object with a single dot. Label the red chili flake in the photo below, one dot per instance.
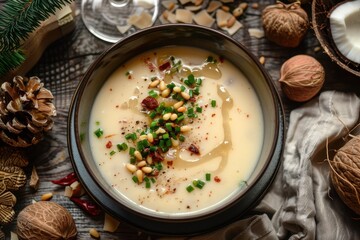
(194, 149)
(149, 103)
(109, 144)
(170, 163)
(150, 65)
(213, 115)
(88, 206)
(221, 59)
(164, 66)
(67, 180)
(192, 99)
(156, 156)
(217, 179)
(129, 77)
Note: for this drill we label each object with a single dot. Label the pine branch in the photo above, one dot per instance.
(18, 19)
(9, 60)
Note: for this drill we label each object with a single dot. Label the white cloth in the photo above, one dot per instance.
(300, 203)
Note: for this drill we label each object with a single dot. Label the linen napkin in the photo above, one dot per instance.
(300, 203)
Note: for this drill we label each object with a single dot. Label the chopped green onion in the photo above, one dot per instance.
(190, 188)
(199, 109)
(99, 132)
(168, 126)
(182, 138)
(153, 93)
(207, 176)
(97, 123)
(171, 85)
(213, 103)
(112, 152)
(122, 146)
(131, 136)
(153, 180)
(199, 184)
(199, 81)
(152, 114)
(135, 179)
(132, 151)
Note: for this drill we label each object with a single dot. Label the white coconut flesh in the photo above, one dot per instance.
(345, 29)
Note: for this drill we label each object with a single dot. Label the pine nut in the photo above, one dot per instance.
(185, 128)
(165, 93)
(160, 131)
(173, 117)
(178, 104)
(237, 12)
(46, 196)
(149, 159)
(262, 60)
(243, 5)
(150, 137)
(255, 5)
(174, 142)
(140, 175)
(141, 164)
(147, 170)
(181, 109)
(131, 167)
(142, 137)
(185, 95)
(138, 156)
(162, 86)
(166, 116)
(154, 83)
(177, 89)
(94, 233)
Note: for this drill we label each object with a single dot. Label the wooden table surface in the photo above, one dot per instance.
(61, 68)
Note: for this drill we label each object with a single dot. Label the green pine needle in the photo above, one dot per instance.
(18, 19)
(9, 60)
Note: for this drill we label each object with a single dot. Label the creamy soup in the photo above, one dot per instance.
(176, 130)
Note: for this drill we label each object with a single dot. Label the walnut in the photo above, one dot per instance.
(285, 24)
(45, 220)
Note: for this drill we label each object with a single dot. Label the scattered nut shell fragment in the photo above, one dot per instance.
(34, 179)
(94, 233)
(203, 18)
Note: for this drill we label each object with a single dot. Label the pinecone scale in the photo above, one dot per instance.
(26, 111)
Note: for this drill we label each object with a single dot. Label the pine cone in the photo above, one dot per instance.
(26, 111)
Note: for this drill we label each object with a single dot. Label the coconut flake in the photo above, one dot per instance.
(141, 21)
(170, 4)
(147, 4)
(167, 17)
(183, 2)
(227, 1)
(193, 8)
(184, 15)
(123, 29)
(213, 5)
(234, 28)
(222, 18)
(203, 18)
(256, 32)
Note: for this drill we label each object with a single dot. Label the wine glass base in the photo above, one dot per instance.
(111, 23)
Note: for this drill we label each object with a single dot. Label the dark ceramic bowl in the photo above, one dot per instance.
(155, 37)
(321, 10)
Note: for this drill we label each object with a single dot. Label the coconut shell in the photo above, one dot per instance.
(320, 11)
(345, 174)
(45, 220)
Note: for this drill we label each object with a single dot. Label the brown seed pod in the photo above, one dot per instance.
(301, 78)
(345, 173)
(285, 24)
(45, 220)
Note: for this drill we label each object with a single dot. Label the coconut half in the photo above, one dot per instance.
(345, 29)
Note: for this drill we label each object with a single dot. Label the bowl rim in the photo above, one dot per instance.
(175, 226)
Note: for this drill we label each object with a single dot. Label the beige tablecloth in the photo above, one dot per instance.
(300, 203)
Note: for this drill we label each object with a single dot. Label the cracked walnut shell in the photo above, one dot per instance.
(285, 24)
